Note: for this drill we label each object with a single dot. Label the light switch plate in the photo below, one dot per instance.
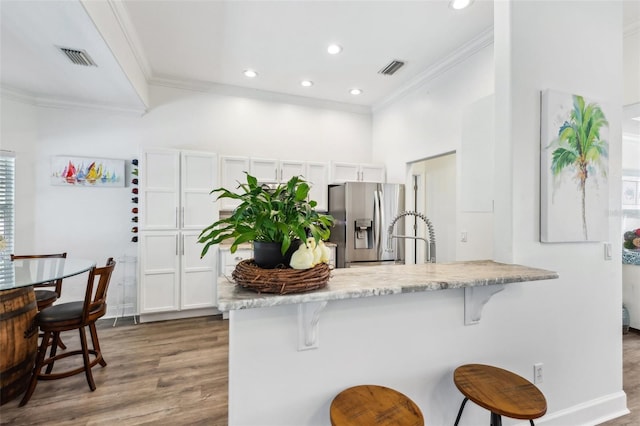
(607, 251)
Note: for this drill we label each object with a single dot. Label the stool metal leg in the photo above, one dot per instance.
(496, 419)
(532, 423)
(464, 401)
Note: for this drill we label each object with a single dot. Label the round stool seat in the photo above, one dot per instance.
(369, 405)
(500, 391)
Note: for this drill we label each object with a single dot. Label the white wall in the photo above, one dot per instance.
(572, 325)
(95, 222)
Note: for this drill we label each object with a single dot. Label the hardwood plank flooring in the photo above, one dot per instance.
(171, 372)
(176, 372)
(630, 380)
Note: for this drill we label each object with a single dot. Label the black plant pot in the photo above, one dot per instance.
(267, 255)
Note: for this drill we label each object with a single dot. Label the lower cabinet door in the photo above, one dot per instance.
(159, 271)
(172, 275)
(198, 280)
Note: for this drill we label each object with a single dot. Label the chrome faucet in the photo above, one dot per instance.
(431, 242)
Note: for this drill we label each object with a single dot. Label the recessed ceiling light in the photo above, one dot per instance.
(250, 73)
(355, 91)
(334, 49)
(460, 4)
(306, 83)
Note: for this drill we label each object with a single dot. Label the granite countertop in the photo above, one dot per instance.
(350, 283)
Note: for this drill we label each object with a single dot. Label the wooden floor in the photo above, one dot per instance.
(631, 380)
(175, 372)
(172, 372)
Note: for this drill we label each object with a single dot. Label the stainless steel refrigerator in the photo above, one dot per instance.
(363, 213)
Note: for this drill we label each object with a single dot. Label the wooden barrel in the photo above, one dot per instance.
(18, 341)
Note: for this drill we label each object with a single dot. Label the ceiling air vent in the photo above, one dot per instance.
(391, 68)
(78, 57)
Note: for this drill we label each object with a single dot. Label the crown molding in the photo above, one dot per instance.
(17, 95)
(60, 103)
(454, 58)
(264, 95)
(131, 36)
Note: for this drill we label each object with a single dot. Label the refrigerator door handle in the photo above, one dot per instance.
(379, 219)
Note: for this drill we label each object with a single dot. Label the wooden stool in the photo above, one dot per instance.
(499, 391)
(369, 405)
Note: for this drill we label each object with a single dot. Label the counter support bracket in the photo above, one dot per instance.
(309, 324)
(474, 300)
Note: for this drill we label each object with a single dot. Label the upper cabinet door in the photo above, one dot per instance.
(318, 177)
(265, 170)
(159, 189)
(232, 173)
(356, 172)
(199, 178)
(372, 173)
(344, 172)
(289, 169)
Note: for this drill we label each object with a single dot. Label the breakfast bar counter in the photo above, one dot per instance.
(388, 325)
(381, 280)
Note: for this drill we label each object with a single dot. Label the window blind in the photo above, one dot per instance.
(7, 211)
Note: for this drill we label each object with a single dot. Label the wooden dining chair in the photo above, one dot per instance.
(71, 316)
(48, 292)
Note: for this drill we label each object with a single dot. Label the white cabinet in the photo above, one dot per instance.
(276, 171)
(317, 174)
(174, 189)
(332, 256)
(232, 172)
(159, 270)
(269, 170)
(357, 172)
(265, 170)
(175, 206)
(291, 168)
(228, 260)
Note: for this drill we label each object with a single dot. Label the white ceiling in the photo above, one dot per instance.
(204, 44)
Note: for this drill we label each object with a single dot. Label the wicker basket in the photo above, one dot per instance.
(280, 280)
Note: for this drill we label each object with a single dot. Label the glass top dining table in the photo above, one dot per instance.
(26, 272)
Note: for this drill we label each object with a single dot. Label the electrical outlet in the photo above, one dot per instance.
(463, 236)
(537, 373)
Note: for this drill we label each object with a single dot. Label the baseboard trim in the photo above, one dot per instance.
(590, 413)
(164, 316)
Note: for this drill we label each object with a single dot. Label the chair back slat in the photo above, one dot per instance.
(95, 300)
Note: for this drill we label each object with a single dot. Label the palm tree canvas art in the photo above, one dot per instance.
(574, 165)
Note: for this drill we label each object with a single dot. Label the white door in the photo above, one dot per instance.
(159, 271)
(345, 172)
(265, 170)
(372, 173)
(232, 173)
(198, 276)
(160, 189)
(318, 177)
(441, 207)
(289, 169)
(199, 177)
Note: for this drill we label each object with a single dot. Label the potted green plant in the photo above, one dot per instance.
(276, 219)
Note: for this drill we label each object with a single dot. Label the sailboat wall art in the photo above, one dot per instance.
(574, 153)
(87, 171)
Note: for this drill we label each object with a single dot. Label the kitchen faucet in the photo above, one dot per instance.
(431, 242)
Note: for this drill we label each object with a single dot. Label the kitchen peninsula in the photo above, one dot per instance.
(289, 355)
